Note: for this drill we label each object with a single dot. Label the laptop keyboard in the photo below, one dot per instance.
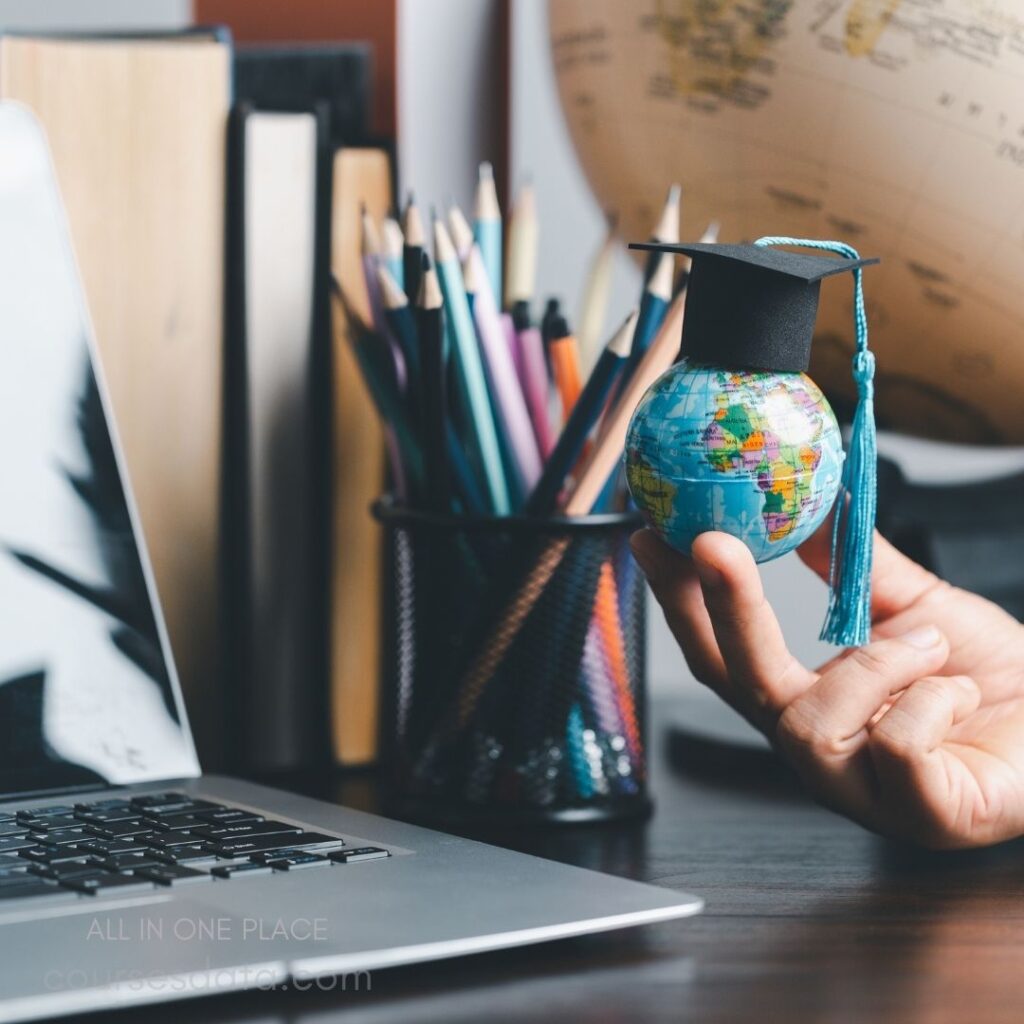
(152, 841)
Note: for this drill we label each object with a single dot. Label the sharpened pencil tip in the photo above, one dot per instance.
(486, 172)
(622, 341)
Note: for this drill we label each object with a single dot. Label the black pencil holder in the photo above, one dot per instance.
(516, 688)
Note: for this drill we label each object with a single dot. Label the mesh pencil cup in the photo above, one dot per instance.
(515, 689)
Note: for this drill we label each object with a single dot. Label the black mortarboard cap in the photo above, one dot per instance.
(752, 307)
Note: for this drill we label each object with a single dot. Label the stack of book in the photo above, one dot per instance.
(251, 450)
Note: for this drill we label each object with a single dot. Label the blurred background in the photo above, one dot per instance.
(450, 83)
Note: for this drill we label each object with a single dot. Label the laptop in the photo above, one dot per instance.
(126, 875)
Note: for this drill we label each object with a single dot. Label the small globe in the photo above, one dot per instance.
(756, 455)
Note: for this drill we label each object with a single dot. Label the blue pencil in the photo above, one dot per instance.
(470, 375)
(487, 227)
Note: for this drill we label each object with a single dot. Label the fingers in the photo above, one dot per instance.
(896, 581)
(765, 677)
(824, 732)
(915, 777)
(674, 580)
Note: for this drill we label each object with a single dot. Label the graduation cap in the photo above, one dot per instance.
(753, 307)
(750, 306)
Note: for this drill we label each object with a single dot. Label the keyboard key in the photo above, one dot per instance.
(120, 829)
(108, 847)
(113, 804)
(171, 840)
(229, 814)
(103, 881)
(54, 854)
(231, 829)
(360, 853)
(234, 870)
(67, 869)
(186, 854)
(11, 828)
(62, 836)
(38, 889)
(297, 861)
(130, 861)
(11, 844)
(10, 860)
(323, 844)
(181, 823)
(260, 844)
(44, 824)
(172, 874)
(159, 799)
(48, 812)
(109, 815)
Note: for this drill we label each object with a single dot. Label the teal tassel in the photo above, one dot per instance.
(848, 622)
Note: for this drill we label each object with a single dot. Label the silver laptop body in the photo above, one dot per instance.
(92, 723)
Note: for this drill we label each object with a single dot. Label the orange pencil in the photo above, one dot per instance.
(564, 351)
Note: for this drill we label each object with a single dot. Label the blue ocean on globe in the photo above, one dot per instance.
(757, 455)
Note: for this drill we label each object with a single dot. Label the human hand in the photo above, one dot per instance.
(919, 734)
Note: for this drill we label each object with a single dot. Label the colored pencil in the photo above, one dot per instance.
(564, 354)
(535, 386)
(544, 497)
(392, 243)
(552, 314)
(653, 307)
(521, 265)
(434, 391)
(596, 293)
(509, 402)
(666, 230)
(371, 257)
(413, 247)
(403, 327)
(461, 232)
(487, 227)
(470, 372)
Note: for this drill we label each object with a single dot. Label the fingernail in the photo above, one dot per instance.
(924, 637)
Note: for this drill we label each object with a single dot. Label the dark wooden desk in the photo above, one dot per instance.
(808, 919)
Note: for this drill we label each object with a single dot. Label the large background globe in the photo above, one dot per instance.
(757, 455)
(895, 125)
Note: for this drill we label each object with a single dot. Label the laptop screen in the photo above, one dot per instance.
(87, 697)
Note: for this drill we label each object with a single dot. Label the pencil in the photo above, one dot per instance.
(653, 307)
(371, 257)
(403, 328)
(392, 243)
(461, 232)
(470, 371)
(552, 312)
(564, 353)
(596, 292)
(412, 249)
(509, 402)
(521, 268)
(375, 368)
(487, 226)
(434, 390)
(535, 383)
(666, 230)
(544, 497)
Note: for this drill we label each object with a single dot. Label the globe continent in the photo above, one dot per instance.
(756, 455)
